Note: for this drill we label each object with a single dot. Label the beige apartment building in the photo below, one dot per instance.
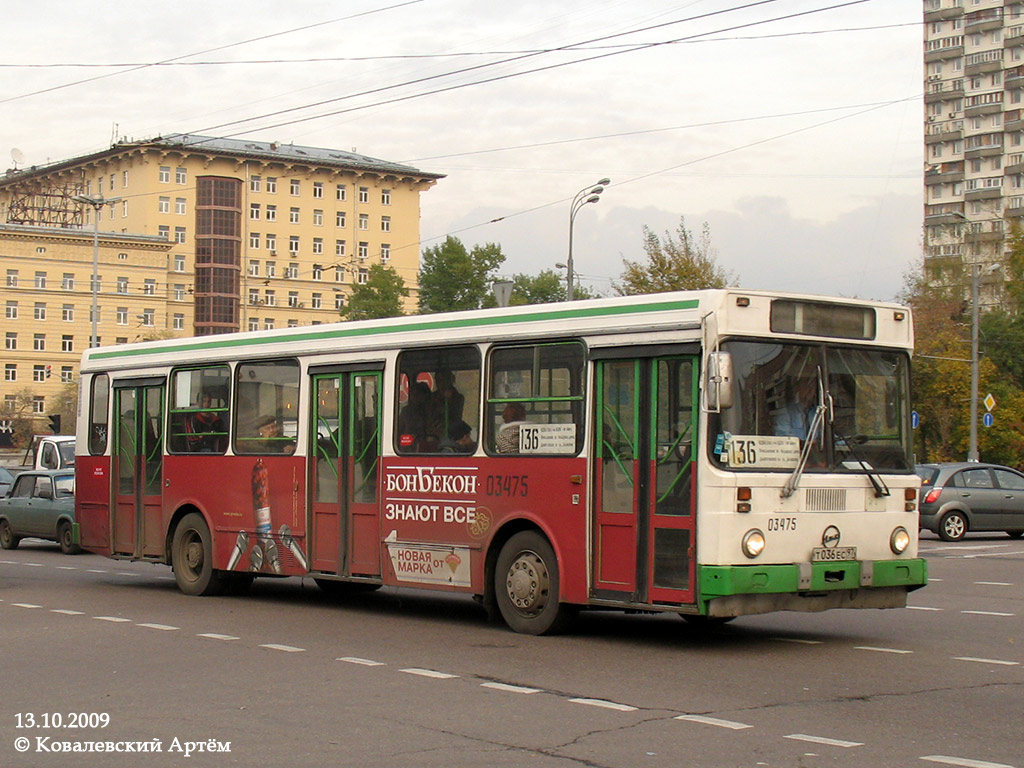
(262, 234)
(47, 298)
(974, 135)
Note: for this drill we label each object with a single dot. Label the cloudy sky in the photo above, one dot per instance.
(793, 127)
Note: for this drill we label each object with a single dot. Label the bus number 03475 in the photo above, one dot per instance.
(507, 485)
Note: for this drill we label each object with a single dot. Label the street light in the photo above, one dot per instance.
(589, 194)
(96, 202)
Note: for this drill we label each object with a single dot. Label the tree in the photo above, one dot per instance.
(452, 278)
(684, 263)
(18, 419)
(380, 296)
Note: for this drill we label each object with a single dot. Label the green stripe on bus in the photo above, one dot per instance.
(225, 341)
(725, 580)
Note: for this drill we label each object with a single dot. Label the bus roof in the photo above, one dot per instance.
(607, 317)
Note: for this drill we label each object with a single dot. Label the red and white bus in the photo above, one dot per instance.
(713, 454)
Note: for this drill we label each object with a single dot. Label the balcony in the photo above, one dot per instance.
(951, 11)
(1013, 36)
(985, 193)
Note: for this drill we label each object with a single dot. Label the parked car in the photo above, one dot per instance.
(6, 481)
(968, 496)
(41, 503)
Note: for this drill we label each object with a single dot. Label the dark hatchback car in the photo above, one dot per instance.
(40, 504)
(968, 496)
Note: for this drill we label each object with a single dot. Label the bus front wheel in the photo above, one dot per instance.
(192, 557)
(526, 585)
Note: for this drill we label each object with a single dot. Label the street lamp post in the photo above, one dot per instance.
(96, 203)
(589, 194)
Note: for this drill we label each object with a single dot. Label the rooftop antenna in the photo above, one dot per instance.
(18, 157)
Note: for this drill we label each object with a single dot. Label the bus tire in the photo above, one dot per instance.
(7, 538)
(526, 586)
(192, 557)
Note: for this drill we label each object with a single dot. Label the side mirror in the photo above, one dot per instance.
(719, 381)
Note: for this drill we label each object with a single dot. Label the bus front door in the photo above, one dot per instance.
(344, 467)
(137, 529)
(644, 546)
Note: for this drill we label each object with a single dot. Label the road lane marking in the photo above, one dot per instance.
(733, 725)
(110, 618)
(823, 740)
(26, 605)
(33, 565)
(285, 648)
(797, 640)
(215, 636)
(428, 673)
(988, 661)
(922, 608)
(164, 627)
(363, 662)
(67, 612)
(126, 573)
(988, 613)
(879, 650)
(66, 568)
(509, 688)
(963, 761)
(604, 704)
(96, 570)
(994, 583)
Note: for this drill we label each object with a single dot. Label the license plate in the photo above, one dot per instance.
(833, 554)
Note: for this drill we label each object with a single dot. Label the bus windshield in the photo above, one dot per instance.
(863, 395)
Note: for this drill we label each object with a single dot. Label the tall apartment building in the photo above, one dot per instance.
(974, 134)
(262, 234)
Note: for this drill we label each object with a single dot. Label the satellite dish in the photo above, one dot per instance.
(17, 156)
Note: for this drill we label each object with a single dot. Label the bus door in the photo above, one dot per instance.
(138, 471)
(344, 466)
(644, 545)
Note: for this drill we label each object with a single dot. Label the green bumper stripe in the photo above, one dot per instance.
(723, 580)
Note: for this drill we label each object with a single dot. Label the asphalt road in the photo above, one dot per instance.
(289, 677)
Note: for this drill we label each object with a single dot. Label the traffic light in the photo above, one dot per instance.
(49, 370)
(54, 422)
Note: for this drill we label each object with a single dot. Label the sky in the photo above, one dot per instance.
(792, 127)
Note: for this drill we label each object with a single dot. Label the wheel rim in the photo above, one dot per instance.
(193, 554)
(528, 584)
(955, 526)
(5, 533)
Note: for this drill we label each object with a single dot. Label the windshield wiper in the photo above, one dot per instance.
(881, 489)
(817, 425)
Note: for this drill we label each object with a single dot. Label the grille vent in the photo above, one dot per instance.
(825, 499)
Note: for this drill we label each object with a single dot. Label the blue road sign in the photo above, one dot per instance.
(915, 419)
(988, 420)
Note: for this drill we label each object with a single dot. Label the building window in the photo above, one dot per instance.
(148, 317)
(39, 342)
(271, 269)
(39, 311)
(293, 244)
(294, 187)
(254, 296)
(339, 219)
(38, 404)
(67, 343)
(122, 285)
(96, 283)
(178, 322)
(165, 174)
(124, 179)
(293, 216)
(364, 194)
(293, 323)
(38, 373)
(121, 316)
(254, 184)
(268, 324)
(68, 281)
(364, 221)
(10, 372)
(149, 287)
(385, 197)
(179, 234)
(40, 279)
(254, 211)
(318, 272)
(364, 250)
(272, 185)
(318, 189)
(271, 243)
(385, 223)
(164, 231)
(339, 301)
(339, 247)
(180, 176)
(254, 240)
(339, 274)
(316, 301)
(12, 278)
(271, 213)
(385, 253)
(254, 323)
(66, 374)
(271, 298)
(364, 276)
(179, 262)
(164, 205)
(291, 271)
(11, 340)
(341, 193)
(12, 310)
(178, 292)
(318, 245)
(293, 298)
(318, 218)
(124, 209)
(67, 313)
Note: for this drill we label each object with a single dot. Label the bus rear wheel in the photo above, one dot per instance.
(192, 558)
(526, 586)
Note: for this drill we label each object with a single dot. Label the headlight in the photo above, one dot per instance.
(753, 543)
(899, 541)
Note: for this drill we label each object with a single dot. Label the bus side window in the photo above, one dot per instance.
(266, 407)
(438, 400)
(98, 403)
(199, 410)
(535, 399)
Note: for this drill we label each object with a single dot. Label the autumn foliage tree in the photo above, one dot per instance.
(680, 263)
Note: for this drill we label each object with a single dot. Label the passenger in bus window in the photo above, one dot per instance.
(794, 418)
(514, 416)
(200, 427)
(459, 440)
(271, 440)
(446, 404)
(414, 422)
